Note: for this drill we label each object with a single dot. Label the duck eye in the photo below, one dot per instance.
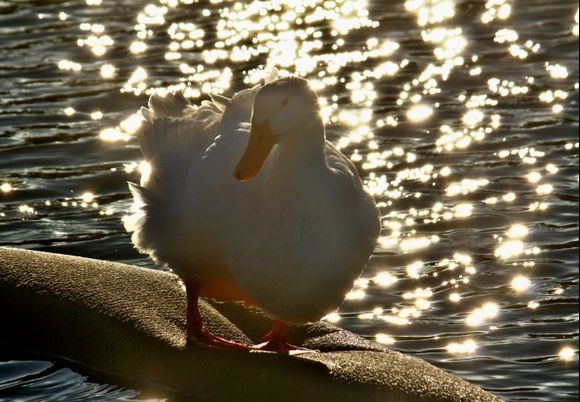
(285, 102)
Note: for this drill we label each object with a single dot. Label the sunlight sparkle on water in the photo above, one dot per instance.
(385, 279)
(414, 269)
(132, 123)
(124, 131)
(520, 283)
(332, 317)
(545, 189)
(419, 113)
(552, 169)
(473, 117)
(482, 314)
(496, 9)
(6, 187)
(414, 244)
(138, 47)
(97, 115)
(113, 135)
(431, 11)
(467, 347)
(491, 200)
(567, 353)
(506, 35)
(356, 294)
(98, 44)
(108, 71)
(557, 71)
(136, 83)
(466, 186)
(509, 197)
(517, 231)
(455, 297)
(509, 249)
(550, 96)
(534, 177)
(26, 210)
(87, 197)
(384, 339)
(69, 65)
(463, 210)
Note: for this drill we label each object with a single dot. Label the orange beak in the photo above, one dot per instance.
(259, 146)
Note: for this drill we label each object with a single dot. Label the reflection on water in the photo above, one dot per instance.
(461, 116)
(27, 380)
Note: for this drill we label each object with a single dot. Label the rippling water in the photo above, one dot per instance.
(461, 115)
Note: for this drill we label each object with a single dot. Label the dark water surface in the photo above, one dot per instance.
(462, 116)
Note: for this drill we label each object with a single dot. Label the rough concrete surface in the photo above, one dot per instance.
(128, 323)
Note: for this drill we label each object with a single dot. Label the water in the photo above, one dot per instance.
(461, 115)
(39, 380)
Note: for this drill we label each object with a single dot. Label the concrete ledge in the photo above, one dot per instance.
(128, 322)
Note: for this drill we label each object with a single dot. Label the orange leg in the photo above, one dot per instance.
(196, 333)
(275, 341)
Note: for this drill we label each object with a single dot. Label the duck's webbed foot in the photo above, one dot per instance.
(204, 339)
(197, 335)
(275, 341)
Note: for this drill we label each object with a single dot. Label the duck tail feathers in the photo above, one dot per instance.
(170, 105)
(143, 218)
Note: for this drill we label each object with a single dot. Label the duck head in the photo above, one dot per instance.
(284, 112)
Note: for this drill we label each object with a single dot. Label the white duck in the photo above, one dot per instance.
(268, 213)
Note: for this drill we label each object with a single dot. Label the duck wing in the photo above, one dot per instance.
(342, 165)
(174, 137)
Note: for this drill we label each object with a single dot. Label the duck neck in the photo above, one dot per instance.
(301, 154)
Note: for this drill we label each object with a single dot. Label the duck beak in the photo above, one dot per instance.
(259, 146)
